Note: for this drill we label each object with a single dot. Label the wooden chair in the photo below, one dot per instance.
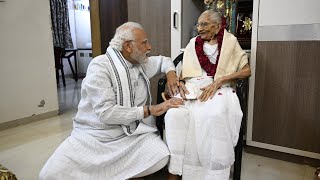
(241, 90)
(58, 64)
(60, 54)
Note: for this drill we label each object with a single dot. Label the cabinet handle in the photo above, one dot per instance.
(175, 14)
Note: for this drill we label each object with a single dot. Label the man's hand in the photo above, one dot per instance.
(183, 90)
(157, 110)
(210, 90)
(172, 83)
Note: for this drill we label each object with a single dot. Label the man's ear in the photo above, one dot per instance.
(127, 46)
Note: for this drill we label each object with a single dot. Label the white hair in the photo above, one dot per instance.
(214, 16)
(124, 33)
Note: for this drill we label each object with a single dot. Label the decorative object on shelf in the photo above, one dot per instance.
(238, 17)
(227, 9)
(244, 24)
(82, 7)
(6, 174)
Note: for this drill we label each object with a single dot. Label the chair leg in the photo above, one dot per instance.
(76, 66)
(62, 74)
(238, 157)
(69, 61)
(57, 75)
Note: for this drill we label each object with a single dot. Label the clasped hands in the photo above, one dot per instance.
(174, 86)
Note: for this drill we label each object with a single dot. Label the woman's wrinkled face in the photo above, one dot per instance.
(207, 2)
(206, 28)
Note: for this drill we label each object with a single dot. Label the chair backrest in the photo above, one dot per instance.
(178, 59)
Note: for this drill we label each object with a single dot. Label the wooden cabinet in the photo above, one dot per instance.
(283, 112)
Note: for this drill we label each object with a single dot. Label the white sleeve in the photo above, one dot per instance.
(158, 64)
(99, 91)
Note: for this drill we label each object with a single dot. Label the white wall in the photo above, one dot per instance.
(83, 28)
(72, 22)
(79, 20)
(66, 67)
(27, 73)
(288, 12)
(83, 34)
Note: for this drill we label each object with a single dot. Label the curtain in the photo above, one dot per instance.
(60, 24)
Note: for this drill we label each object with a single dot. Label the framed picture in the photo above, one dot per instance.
(244, 24)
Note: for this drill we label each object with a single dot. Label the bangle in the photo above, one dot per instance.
(149, 113)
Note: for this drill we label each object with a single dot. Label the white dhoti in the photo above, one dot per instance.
(201, 135)
(81, 156)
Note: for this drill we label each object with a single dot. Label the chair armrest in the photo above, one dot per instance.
(241, 89)
(160, 119)
(161, 87)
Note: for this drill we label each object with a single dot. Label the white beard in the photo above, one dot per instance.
(139, 56)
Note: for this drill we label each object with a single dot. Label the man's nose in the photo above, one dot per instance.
(149, 47)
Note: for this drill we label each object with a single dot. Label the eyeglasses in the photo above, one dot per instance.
(202, 24)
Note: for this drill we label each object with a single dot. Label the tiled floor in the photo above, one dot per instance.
(25, 149)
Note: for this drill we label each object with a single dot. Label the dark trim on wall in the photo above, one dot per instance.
(283, 156)
(27, 120)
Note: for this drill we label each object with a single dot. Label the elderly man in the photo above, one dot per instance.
(201, 134)
(114, 134)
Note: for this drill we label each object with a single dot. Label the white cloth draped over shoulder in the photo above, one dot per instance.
(111, 139)
(232, 58)
(201, 135)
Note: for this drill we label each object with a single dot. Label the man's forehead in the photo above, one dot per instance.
(140, 34)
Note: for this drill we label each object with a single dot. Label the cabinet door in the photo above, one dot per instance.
(154, 16)
(287, 95)
(176, 29)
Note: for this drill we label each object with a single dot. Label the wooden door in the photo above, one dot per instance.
(106, 16)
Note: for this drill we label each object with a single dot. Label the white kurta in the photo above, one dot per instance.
(201, 135)
(98, 148)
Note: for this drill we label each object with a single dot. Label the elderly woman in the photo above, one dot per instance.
(202, 133)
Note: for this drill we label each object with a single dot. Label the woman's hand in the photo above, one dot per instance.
(159, 109)
(183, 90)
(172, 83)
(210, 90)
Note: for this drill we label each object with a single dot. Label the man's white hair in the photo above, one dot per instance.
(124, 33)
(214, 16)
